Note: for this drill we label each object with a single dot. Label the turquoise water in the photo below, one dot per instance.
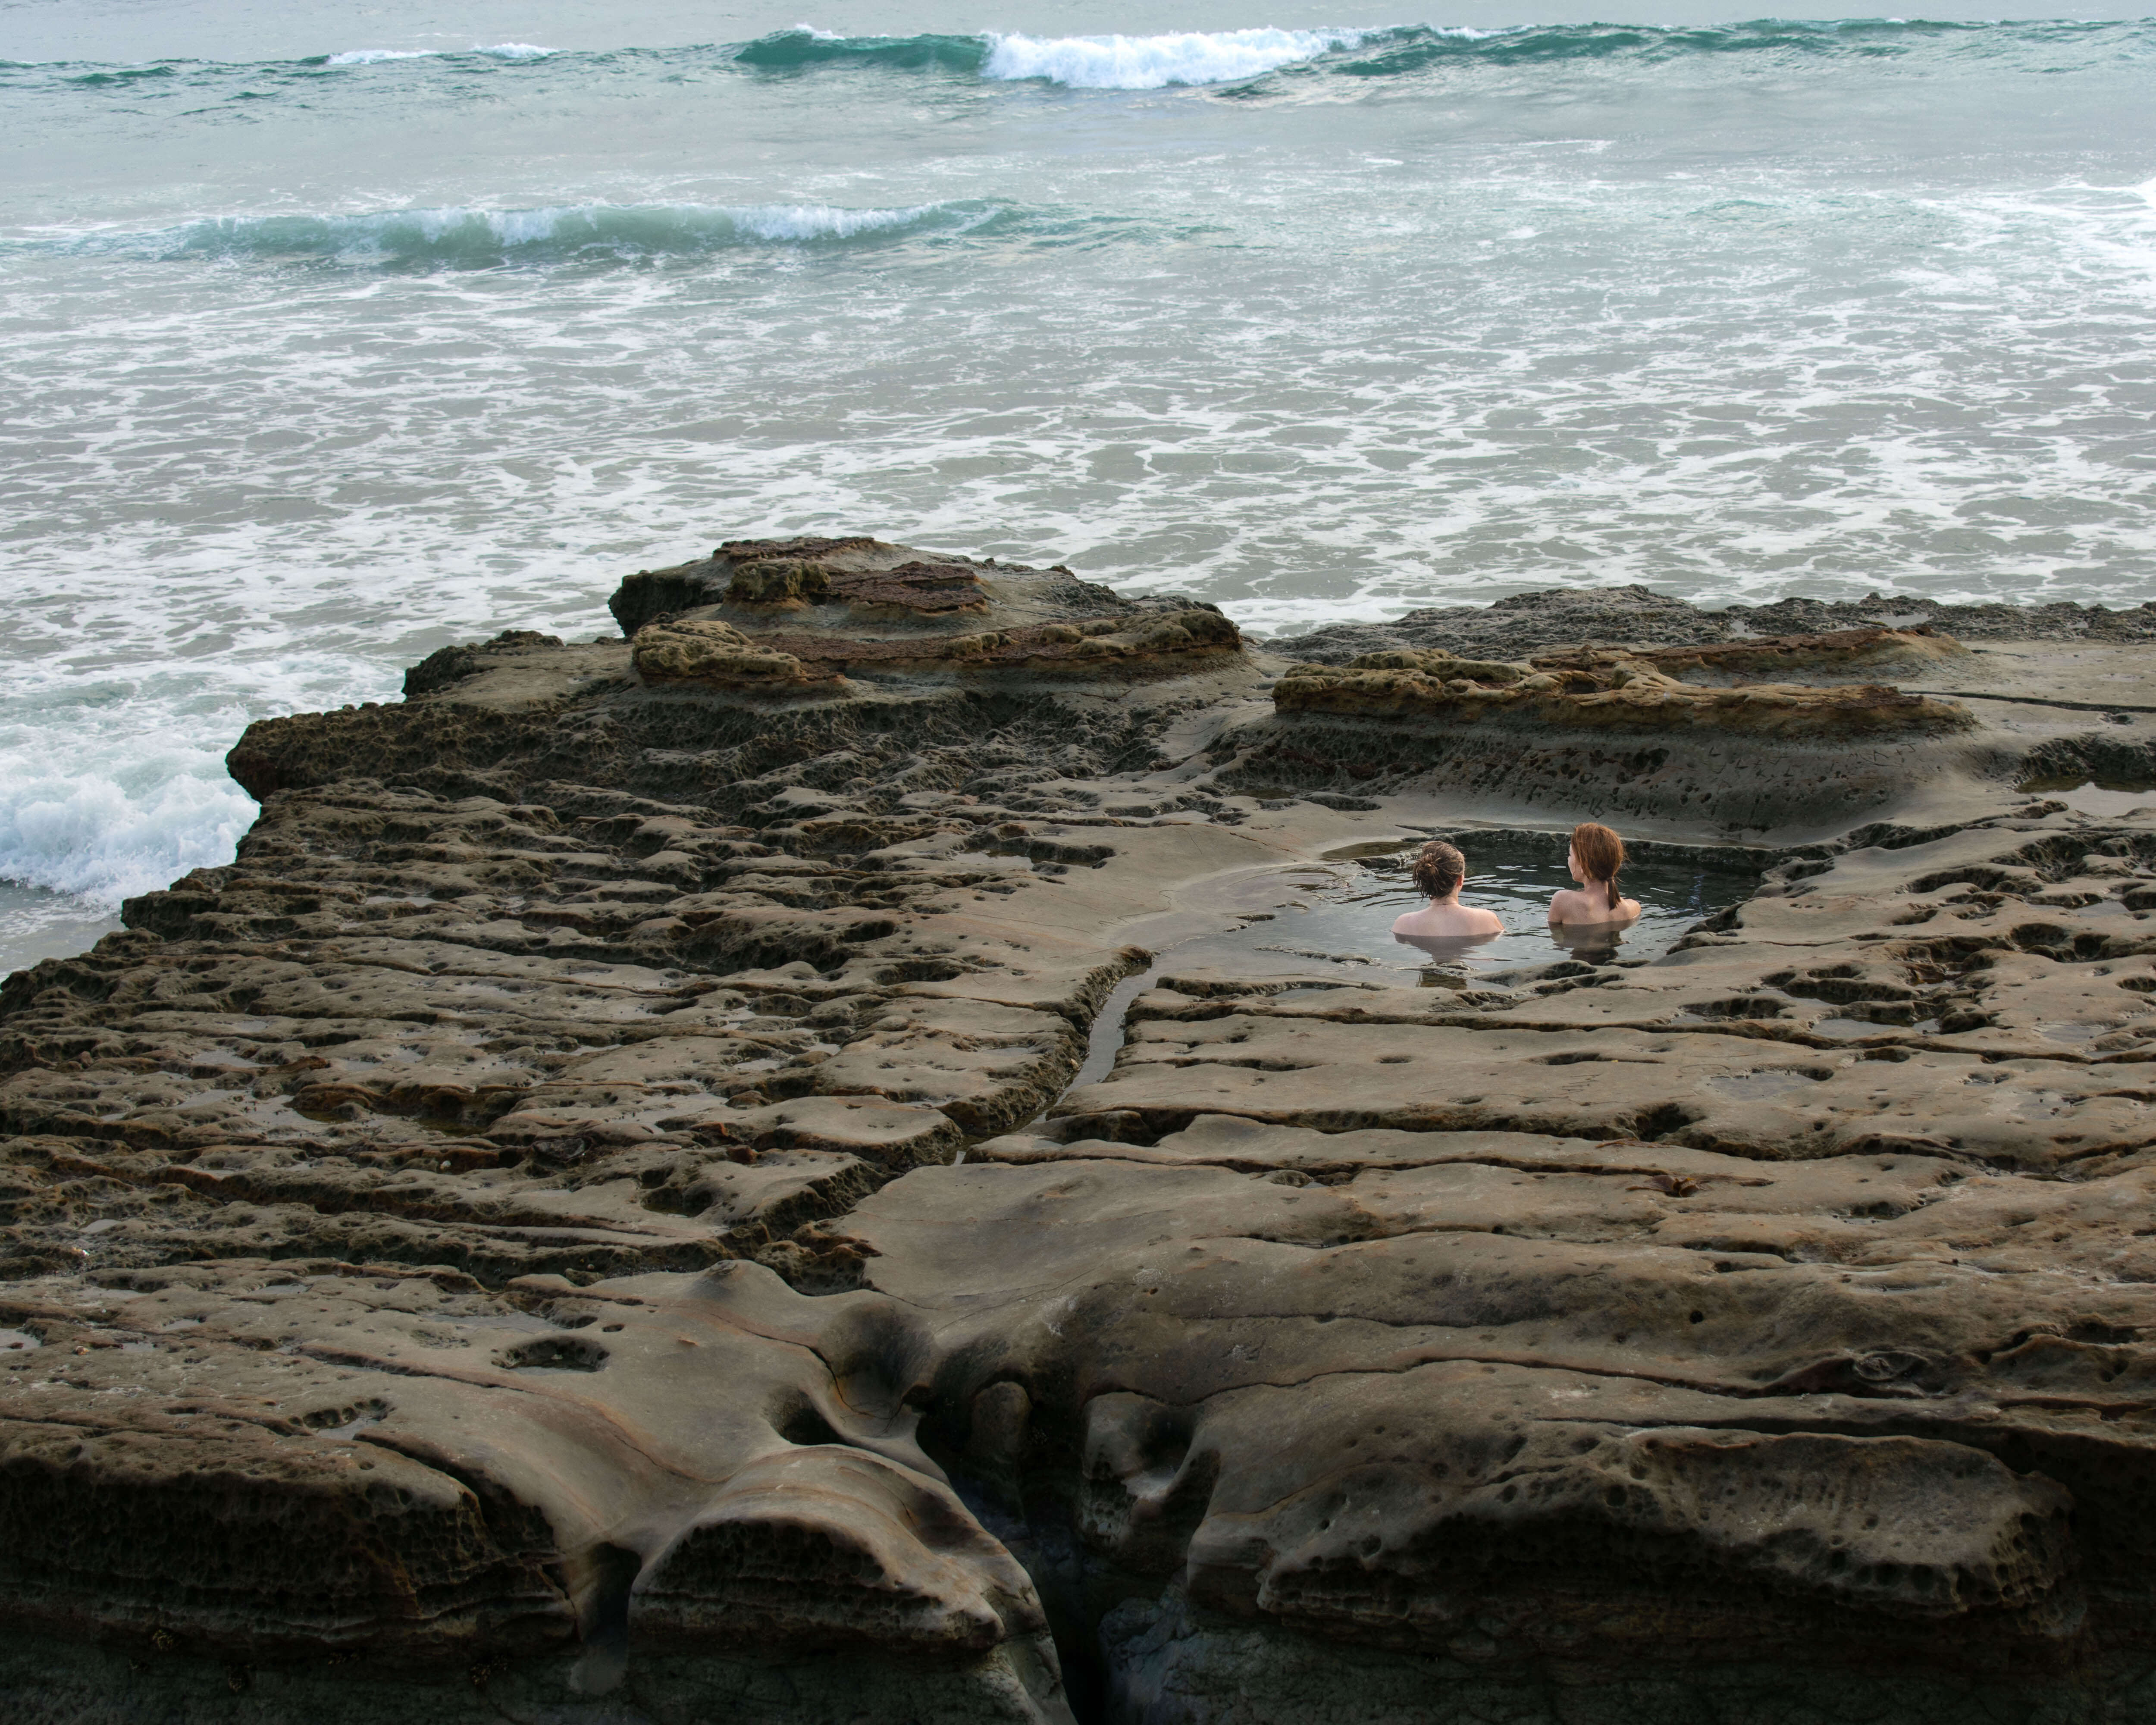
(333, 334)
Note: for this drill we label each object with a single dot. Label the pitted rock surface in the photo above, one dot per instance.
(1659, 690)
(589, 1218)
(1541, 622)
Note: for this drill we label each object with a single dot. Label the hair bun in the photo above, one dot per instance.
(1438, 868)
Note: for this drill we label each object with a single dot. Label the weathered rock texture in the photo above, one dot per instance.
(1733, 734)
(1537, 621)
(786, 616)
(588, 1218)
(1609, 689)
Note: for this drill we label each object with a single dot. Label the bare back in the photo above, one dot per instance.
(1448, 920)
(1591, 905)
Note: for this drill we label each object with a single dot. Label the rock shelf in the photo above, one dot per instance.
(1650, 691)
(589, 1218)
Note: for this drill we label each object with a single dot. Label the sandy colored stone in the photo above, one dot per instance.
(1618, 690)
(699, 651)
(584, 1220)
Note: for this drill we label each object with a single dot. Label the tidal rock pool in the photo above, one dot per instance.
(1338, 914)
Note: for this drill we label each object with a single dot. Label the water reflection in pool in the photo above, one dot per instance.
(1339, 914)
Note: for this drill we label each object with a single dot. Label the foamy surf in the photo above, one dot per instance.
(376, 56)
(1321, 322)
(102, 823)
(1192, 57)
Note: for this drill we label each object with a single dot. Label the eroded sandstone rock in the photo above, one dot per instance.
(704, 651)
(588, 1218)
(1615, 690)
(1531, 623)
(919, 588)
(1686, 732)
(787, 614)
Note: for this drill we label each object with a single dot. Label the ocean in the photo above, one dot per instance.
(334, 334)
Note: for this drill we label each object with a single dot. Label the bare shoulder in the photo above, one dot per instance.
(1578, 904)
(1491, 921)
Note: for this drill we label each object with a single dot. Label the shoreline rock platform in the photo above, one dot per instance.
(680, 1178)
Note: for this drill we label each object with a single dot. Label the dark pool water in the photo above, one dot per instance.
(1339, 916)
(1336, 919)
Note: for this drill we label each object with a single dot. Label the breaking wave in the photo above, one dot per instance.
(1207, 58)
(481, 237)
(1154, 62)
(374, 56)
(1199, 58)
(1186, 57)
(114, 816)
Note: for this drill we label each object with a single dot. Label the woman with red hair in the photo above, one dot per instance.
(1596, 855)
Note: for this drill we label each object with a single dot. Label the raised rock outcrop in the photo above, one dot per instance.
(1615, 690)
(800, 616)
(1762, 731)
(590, 1217)
(1532, 622)
(695, 650)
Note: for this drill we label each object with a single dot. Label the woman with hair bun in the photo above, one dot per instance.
(1596, 855)
(1439, 870)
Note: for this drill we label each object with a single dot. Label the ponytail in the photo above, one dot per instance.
(1601, 854)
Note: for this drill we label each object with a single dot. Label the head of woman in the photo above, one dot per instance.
(1597, 856)
(1438, 869)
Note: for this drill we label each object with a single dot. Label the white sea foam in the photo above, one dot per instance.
(103, 821)
(1212, 348)
(1153, 62)
(820, 220)
(371, 56)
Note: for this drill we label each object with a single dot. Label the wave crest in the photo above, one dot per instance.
(1411, 49)
(371, 56)
(479, 237)
(1245, 56)
(1154, 62)
(376, 56)
(802, 47)
(1186, 57)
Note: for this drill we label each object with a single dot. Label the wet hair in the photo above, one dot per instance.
(1600, 853)
(1438, 868)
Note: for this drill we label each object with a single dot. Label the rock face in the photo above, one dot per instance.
(1615, 690)
(1538, 622)
(786, 616)
(1670, 730)
(590, 1217)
